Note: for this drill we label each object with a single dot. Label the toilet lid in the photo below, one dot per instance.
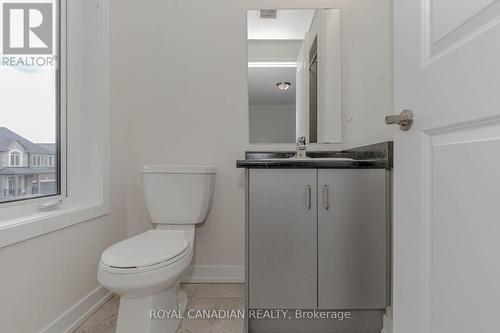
(147, 249)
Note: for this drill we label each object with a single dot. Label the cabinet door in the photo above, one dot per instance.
(282, 231)
(353, 229)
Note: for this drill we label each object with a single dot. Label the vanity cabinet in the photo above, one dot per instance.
(282, 231)
(353, 230)
(318, 238)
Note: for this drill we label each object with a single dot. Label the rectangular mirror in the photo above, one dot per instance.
(294, 75)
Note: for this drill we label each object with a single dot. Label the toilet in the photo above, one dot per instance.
(145, 270)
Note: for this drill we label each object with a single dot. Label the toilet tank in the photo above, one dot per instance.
(178, 194)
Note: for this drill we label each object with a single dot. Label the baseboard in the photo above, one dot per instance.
(78, 313)
(215, 274)
(387, 328)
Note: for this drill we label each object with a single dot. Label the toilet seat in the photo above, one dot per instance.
(150, 250)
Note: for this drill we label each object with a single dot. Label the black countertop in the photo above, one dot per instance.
(376, 156)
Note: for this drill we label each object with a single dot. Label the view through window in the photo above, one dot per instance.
(29, 100)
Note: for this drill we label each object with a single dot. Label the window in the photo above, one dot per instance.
(15, 158)
(83, 86)
(41, 160)
(30, 106)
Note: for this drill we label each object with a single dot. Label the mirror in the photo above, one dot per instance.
(294, 75)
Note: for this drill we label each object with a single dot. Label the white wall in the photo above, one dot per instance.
(272, 123)
(180, 72)
(330, 77)
(273, 50)
(182, 76)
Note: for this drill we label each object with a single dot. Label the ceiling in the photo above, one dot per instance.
(262, 86)
(289, 24)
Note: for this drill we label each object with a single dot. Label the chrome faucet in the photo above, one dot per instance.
(301, 147)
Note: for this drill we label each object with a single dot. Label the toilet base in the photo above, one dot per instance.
(152, 314)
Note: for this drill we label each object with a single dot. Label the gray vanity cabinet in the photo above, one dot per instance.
(282, 232)
(318, 238)
(353, 238)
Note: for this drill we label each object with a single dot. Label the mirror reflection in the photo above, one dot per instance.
(294, 75)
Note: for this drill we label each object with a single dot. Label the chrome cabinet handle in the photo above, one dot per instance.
(308, 196)
(404, 120)
(326, 196)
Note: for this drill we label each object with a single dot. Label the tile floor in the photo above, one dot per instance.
(201, 296)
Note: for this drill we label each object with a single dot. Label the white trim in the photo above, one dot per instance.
(21, 229)
(214, 274)
(78, 313)
(387, 321)
(275, 64)
(20, 158)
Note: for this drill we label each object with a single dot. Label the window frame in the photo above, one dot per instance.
(20, 155)
(89, 197)
(60, 106)
(36, 160)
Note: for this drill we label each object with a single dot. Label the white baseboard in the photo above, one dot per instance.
(387, 328)
(215, 274)
(78, 313)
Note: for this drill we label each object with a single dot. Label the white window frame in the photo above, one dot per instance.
(88, 195)
(20, 158)
(36, 160)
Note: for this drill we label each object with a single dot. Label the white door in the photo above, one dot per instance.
(447, 167)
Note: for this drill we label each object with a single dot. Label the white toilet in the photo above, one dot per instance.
(145, 270)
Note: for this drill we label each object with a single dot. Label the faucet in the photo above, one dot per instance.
(301, 147)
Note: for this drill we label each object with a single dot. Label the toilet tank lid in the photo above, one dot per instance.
(178, 168)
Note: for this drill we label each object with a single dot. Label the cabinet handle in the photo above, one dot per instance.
(326, 196)
(308, 196)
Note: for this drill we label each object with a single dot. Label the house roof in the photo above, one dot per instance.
(7, 137)
(49, 147)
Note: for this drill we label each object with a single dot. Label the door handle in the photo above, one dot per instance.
(326, 197)
(308, 196)
(404, 120)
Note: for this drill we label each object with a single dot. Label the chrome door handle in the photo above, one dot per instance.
(326, 197)
(404, 120)
(308, 196)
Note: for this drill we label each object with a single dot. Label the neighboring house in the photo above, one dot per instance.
(26, 169)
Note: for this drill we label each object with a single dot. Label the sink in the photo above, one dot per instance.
(312, 159)
(326, 159)
(373, 157)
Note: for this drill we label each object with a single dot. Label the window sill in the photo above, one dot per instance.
(21, 229)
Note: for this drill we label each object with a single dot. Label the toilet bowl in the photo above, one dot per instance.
(145, 270)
